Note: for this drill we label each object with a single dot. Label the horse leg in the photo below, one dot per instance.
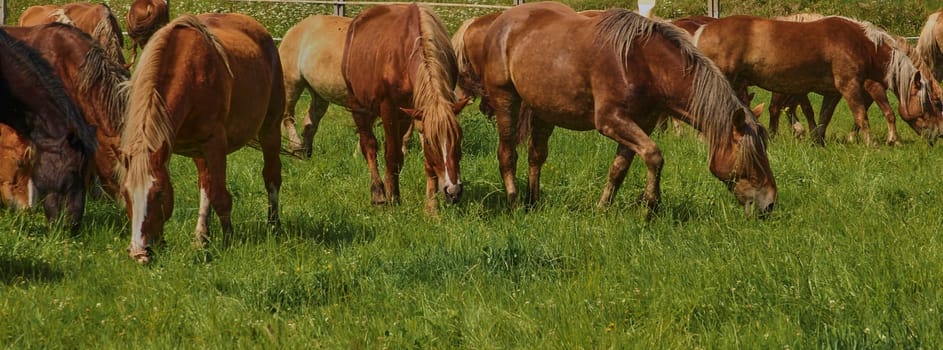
(368, 146)
(859, 108)
(806, 106)
(775, 109)
(829, 102)
(634, 139)
(617, 172)
(213, 177)
(507, 109)
(539, 136)
(201, 233)
(395, 124)
(316, 112)
(294, 85)
(879, 94)
(270, 141)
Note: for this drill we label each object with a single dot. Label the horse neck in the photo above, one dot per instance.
(434, 82)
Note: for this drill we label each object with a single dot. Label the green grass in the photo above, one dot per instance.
(850, 258)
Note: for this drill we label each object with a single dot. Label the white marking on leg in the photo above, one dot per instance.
(138, 212)
(204, 212)
(31, 193)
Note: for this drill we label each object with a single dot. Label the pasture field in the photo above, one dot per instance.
(850, 258)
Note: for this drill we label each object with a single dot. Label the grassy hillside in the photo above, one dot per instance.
(850, 258)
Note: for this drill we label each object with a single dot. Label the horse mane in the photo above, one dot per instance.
(60, 16)
(927, 46)
(712, 101)
(148, 125)
(435, 81)
(106, 35)
(800, 17)
(25, 58)
(110, 78)
(471, 83)
(900, 68)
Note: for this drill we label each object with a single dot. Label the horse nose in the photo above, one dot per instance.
(452, 193)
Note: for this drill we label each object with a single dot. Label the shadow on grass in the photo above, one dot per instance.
(18, 271)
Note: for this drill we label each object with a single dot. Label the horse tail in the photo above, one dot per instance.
(110, 39)
(435, 81)
(928, 48)
(99, 72)
(524, 118)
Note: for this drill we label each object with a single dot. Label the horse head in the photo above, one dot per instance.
(923, 109)
(149, 196)
(744, 166)
(442, 148)
(16, 167)
(61, 169)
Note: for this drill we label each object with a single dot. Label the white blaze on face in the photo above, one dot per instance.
(138, 211)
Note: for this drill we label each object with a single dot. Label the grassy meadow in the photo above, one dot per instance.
(850, 257)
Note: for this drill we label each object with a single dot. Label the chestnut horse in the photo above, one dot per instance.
(311, 53)
(204, 87)
(835, 57)
(144, 18)
(34, 103)
(93, 81)
(16, 163)
(930, 44)
(96, 20)
(617, 73)
(399, 66)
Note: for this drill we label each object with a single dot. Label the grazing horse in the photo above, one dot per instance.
(16, 163)
(204, 87)
(399, 66)
(144, 18)
(34, 103)
(96, 20)
(835, 57)
(586, 73)
(93, 81)
(311, 53)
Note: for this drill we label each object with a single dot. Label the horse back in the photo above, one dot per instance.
(381, 42)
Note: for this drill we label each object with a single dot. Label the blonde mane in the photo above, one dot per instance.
(106, 36)
(109, 78)
(435, 79)
(461, 58)
(148, 127)
(712, 102)
(928, 48)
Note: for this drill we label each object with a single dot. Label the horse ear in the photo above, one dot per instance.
(758, 109)
(415, 113)
(458, 106)
(917, 81)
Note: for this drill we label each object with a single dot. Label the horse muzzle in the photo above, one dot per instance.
(452, 193)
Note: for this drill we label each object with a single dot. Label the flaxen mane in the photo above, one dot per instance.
(25, 58)
(471, 83)
(435, 79)
(105, 34)
(928, 48)
(109, 78)
(712, 101)
(148, 124)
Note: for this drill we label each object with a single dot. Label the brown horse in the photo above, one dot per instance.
(16, 163)
(930, 44)
(93, 81)
(34, 103)
(835, 57)
(311, 53)
(204, 87)
(399, 66)
(96, 20)
(585, 73)
(144, 18)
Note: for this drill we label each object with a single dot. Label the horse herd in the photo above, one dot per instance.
(204, 86)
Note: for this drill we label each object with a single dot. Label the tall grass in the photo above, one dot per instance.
(850, 258)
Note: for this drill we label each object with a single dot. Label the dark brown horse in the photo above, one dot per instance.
(204, 87)
(96, 20)
(93, 81)
(617, 73)
(144, 18)
(835, 57)
(399, 66)
(16, 167)
(34, 103)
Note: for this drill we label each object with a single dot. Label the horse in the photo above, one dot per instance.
(204, 86)
(16, 163)
(96, 20)
(585, 73)
(835, 57)
(311, 53)
(144, 18)
(398, 65)
(778, 102)
(93, 81)
(34, 103)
